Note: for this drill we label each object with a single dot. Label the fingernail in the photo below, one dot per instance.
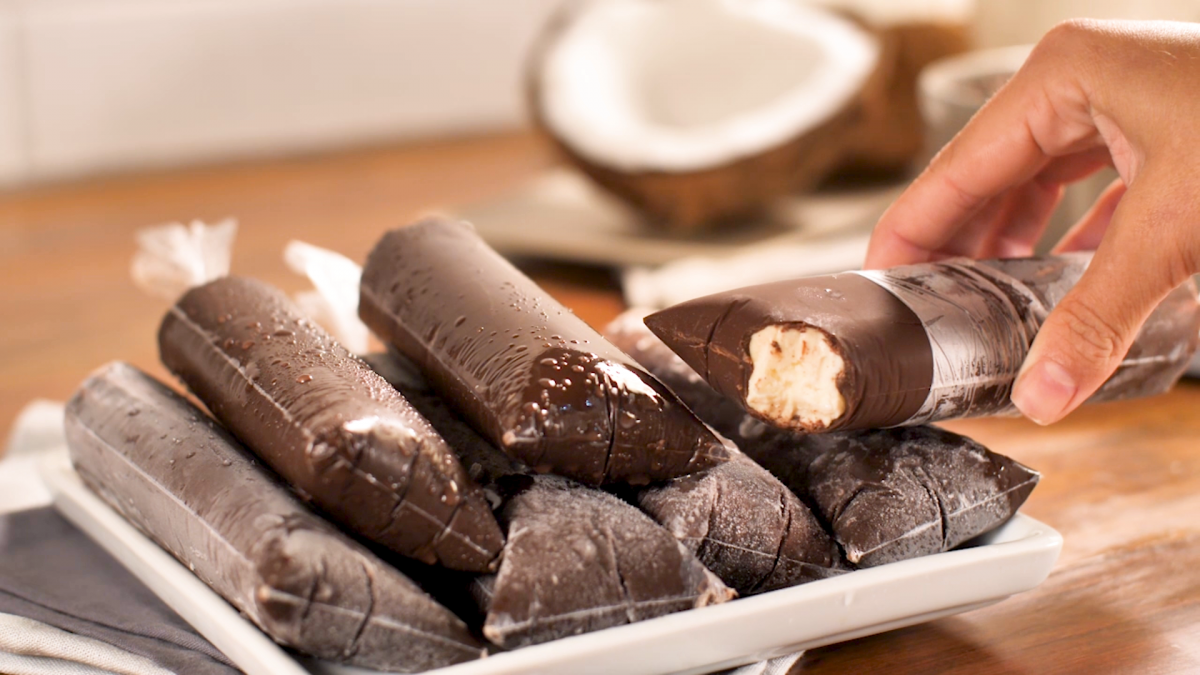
(1043, 392)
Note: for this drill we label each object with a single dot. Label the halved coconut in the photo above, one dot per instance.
(913, 34)
(698, 111)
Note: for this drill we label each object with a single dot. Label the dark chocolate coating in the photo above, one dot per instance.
(980, 316)
(886, 495)
(529, 375)
(499, 475)
(321, 418)
(895, 494)
(888, 360)
(745, 526)
(580, 560)
(185, 482)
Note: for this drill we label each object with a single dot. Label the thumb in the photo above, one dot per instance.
(1145, 254)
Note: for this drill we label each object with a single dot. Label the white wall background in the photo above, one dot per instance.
(1009, 22)
(90, 85)
(98, 85)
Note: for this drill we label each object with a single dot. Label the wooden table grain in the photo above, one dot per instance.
(1121, 481)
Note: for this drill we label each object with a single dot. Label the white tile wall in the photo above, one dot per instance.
(126, 83)
(12, 152)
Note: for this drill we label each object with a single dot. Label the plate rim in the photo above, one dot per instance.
(1022, 537)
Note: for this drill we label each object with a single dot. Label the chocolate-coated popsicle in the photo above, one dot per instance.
(577, 559)
(529, 375)
(185, 482)
(744, 525)
(337, 432)
(886, 495)
(904, 346)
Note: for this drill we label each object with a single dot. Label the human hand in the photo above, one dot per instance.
(1092, 94)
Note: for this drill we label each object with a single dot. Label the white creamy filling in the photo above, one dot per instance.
(795, 376)
(675, 85)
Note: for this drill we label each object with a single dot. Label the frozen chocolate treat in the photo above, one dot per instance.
(499, 475)
(745, 526)
(578, 559)
(320, 417)
(886, 495)
(529, 375)
(185, 482)
(895, 494)
(904, 346)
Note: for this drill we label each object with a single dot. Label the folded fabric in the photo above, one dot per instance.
(28, 646)
(52, 573)
(16, 664)
(780, 665)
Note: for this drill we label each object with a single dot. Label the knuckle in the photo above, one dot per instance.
(1075, 43)
(1071, 32)
(1090, 334)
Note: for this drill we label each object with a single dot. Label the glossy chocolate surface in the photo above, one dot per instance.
(499, 475)
(979, 319)
(524, 371)
(886, 495)
(321, 418)
(185, 482)
(578, 559)
(888, 361)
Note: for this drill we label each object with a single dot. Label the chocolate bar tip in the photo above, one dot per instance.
(687, 328)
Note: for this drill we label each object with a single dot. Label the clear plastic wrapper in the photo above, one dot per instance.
(184, 481)
(316, 414)
(885, 494)
(904, 346)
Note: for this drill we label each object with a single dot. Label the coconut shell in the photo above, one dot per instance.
(891, 132)
(691, 201)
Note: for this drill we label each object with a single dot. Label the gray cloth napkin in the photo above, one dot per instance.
(31, 647)
(52, 573)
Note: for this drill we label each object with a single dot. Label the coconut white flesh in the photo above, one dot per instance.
(890, 13)
(794, 376)
(685, 85)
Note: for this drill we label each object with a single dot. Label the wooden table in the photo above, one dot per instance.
(1121, 481)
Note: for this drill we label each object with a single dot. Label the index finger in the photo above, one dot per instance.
(1041, 114)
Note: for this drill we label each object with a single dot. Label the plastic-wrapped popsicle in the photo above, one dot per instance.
(185, 482)
(577, 559)
(885, 494)
(903, 346)
(526, 372)
(319, 416)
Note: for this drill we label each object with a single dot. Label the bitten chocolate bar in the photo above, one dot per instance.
(185, 482)
(886, 495)
(903, 346)
(321, 418)
(526, 372)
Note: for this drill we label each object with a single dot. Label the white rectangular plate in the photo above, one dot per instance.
(1014, 558)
